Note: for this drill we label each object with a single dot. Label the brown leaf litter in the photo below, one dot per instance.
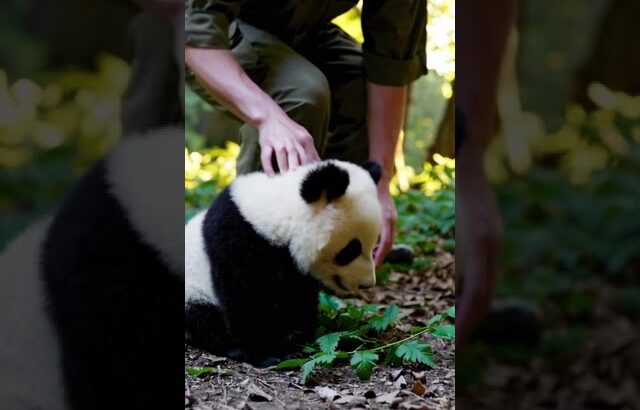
(418, 294)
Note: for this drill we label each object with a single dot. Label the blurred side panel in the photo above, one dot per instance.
(552, 248)
(91, 204)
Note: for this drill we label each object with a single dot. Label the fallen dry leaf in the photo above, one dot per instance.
(387, 398)
(350, 399)
(327, 393)
(257, 394)
(400, 382)
(395, 374)
(210, 359)
(419, 388)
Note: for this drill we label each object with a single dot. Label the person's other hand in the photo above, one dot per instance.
(389, 218)
(479, 233)
(288, 141)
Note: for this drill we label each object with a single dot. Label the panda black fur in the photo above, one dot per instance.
(256, 258)
(102, 290)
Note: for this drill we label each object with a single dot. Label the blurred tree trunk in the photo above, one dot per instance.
(615, 60)
(444, 141)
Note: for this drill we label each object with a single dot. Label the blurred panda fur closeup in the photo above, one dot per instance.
(90, 297)
(255, 259)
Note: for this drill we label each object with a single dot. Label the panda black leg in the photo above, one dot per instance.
(266, 336)
(260, 361)
(256, 361)
(206, 328)
(259, 335)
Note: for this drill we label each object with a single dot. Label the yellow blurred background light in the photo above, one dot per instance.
(48, 136)
(26, 92)
(601, 96)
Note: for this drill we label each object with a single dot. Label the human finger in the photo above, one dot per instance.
(383, 246)
(281, 158)
(293, 158)
(265, 157)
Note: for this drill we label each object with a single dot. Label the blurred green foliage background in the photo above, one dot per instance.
(60, 99)
(565, 164)
(51, 129)
(567, 178)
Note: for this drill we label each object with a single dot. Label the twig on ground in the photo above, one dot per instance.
(224, 387)
(275, 391)
(297, 386)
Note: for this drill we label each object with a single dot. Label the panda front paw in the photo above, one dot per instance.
(293, 355)
(256, 361)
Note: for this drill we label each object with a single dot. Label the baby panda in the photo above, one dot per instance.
(256, 258)
(92, 295)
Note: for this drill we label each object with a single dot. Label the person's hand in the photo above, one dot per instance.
(479, 233)
(290, 142)
(389, 218)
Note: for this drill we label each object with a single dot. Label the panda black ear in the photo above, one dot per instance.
(374, 169)
(327, 178)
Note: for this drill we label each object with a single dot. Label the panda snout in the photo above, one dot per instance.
(369, 283)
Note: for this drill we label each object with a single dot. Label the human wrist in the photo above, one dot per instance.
(260, 110)
(383, 185)
(386, 166)
(256, 112)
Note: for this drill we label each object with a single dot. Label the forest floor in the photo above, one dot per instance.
(418, 293)
(588, 361)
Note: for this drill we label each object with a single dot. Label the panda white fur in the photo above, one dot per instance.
(89, 296)
(256, 257)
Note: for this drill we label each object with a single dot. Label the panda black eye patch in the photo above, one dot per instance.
(338, 282)
(348, 253)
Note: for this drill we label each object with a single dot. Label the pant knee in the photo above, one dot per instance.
(318, 91)
(309, 91)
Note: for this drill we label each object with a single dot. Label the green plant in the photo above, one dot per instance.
(362, 335)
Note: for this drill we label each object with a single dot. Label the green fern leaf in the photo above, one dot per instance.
(329, 342)
(307, 368)
(199, 371)
(364, 362)
(415, 351)
(451, 312)
(289, 364)
(390, 315)
(445, 331)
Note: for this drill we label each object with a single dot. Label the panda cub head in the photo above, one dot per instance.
(327, 213)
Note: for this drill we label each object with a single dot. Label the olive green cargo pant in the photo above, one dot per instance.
(318, 81)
